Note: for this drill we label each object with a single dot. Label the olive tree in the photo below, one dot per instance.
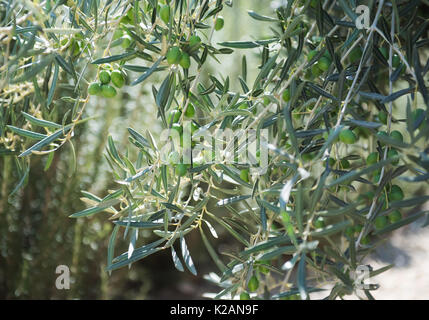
(307, 159)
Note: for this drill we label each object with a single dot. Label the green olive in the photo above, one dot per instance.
(244, 175)
(194, 42)
(126, 41)
(118, 79)
(396, 193)
(380, 222)
(125, 20)
(164, 13)
(108, 91)
(262, 267)
(190, 111)
(392, 153)
(104, 76)
(173, 55)
(175, 115)
(395, 134)
(315, 70)
(194, 127)
(219, 23)
(324, 63)
(347, 136)
(355, 55)
(253, 283)
(94, 88)
(286, 95)
(396, 61)
(331, 162)
(345, 164)
(185, 61)
(177, 127)
(395, 216)
(382, 133)
(244, 296)
(311, 55)
(365, 241)
(181, 169)
(372, 158)
(319, 223)
(382, 116)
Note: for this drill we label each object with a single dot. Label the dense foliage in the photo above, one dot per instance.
(339, 114)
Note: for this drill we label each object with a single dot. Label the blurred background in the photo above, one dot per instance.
(36, 234)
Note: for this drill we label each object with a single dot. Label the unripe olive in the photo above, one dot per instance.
(244, 296)
(262, 268)
(395, 216)
(324, 63)
(181, 169)
(253, 283)
(173, 55)
(286, 95)
(104, 76)
(194, 127)
(126, 41)
(178, 128)
(376, 178)
(190, 111)
(244, 175)
(396, 193)
(392, 153)
(164, 13)
(175, 115)
(311, 54)
(382, 133)
(108, 91)
(319, 223)
(130, 14)
(347, 136)
(355, 55)
(396, 60)
(194, 42)
(345, 164)
(331, 162)
(315, 70)
(219, 23)
(125, 20)
(372, 158)
(118, 79)
(118, 34)
(382, 116)
(185, 60)
(395, 134)
(94, 88)
(295, 297)
(380, 222)
(365, 241)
